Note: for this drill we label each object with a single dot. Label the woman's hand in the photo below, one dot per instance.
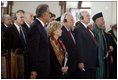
(64, 69)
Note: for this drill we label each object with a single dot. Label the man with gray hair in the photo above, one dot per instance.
(29, 17)
(69, 42)
(87, 47)
(6, 22)
(16, 39)
(38, 45)
(15, 36)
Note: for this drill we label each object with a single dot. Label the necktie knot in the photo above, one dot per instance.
(88, 28)
(69, 31)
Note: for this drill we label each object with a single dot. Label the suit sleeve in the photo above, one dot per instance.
(7, 39)
(33, 46)
(80, 45)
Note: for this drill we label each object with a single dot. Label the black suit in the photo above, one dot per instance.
(13, 39)
(38, 50)
(72, 52)
(25, 26)
(3, 27)
(113, 67)
(87, 50)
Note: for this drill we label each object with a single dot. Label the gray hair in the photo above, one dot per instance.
(5, 15)
(41, 9)
(64, 16)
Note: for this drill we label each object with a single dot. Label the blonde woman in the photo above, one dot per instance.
(58, 54)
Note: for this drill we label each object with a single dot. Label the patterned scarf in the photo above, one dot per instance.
(58, 48)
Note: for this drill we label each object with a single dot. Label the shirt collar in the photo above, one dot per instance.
(5, 25)
(18, 27)
(41, 22)
(84, 24)
(27, 25)
(67, 28)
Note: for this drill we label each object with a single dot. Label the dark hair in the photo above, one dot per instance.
(19, 11)
(41, 9)
(22, 11)
(52, 14)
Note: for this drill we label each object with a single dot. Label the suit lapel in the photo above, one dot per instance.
(67, 34)
(87, 33)
(41, 28)
(16, 31)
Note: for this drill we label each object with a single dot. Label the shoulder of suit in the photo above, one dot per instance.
(63, 28)
(9, 30)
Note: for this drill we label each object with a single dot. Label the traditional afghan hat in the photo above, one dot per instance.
(97, 16)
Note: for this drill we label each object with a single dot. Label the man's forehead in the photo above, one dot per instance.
(100, 19)
(19, 14)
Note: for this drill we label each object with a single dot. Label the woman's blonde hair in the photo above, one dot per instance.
(52, 26)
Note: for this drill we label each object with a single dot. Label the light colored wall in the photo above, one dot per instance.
(108, 9)
(114, 14)
(31, 6)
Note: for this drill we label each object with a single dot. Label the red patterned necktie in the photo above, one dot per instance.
(93, 36)
(71, 35)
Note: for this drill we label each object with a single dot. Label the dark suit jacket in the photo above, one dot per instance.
(55, 72)
(3, 27)
(72, 51)
(87, 49)
(26, 27)
(113, 42)
(38, 50)
(13, 39)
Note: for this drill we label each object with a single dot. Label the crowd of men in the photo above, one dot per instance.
(92, 52)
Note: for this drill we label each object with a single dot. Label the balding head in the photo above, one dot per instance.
(84, 17)
(29, 17)
(6, 19)
(68, 20)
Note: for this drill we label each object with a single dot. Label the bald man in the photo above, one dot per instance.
(69, 42)
(86, 46)
(28, 19)
(6, 22)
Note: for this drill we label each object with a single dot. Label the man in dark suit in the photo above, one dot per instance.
(112, 35)
(86, 46)
(38, 45)
(70, 44)
(6, 22)
(29, 17)
(12, 34)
